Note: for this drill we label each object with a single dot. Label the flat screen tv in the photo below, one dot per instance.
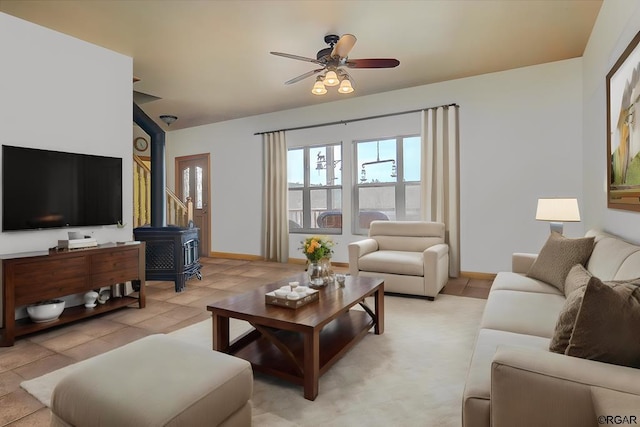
(49, 189)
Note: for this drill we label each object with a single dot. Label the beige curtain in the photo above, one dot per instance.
(440, 176)
(275, 223)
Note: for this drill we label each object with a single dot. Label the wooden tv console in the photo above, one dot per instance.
(31, 277)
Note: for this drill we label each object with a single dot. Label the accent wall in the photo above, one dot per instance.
(64, 94)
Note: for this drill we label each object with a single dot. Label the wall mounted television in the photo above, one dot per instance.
(50, 189)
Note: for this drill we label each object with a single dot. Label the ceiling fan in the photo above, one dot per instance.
(333, 61)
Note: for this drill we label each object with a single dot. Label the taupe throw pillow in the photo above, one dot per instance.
(557, 256)
(574, 287)
(607, 324)
(577, 278)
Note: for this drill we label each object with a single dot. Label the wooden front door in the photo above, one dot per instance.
(192, 180)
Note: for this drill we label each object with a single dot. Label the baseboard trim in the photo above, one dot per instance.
(247, 257)
(304, 261)
(477, 275)
(230, 255)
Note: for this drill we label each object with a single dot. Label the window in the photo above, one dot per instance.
(388, 185)
(315, 189)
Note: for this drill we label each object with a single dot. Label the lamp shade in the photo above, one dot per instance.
(318, 88)
(560, 210)
(345, 86)
(331, 79)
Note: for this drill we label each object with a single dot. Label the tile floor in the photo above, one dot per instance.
(166, 311)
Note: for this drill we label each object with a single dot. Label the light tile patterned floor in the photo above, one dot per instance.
(166, 311)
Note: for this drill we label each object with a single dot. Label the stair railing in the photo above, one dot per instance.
(178, 213)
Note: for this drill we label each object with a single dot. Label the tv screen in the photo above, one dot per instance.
(48, 189)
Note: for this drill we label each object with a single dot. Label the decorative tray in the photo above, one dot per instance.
(312, 295)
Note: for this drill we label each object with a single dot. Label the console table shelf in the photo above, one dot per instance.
(29, 278)
(71, 314)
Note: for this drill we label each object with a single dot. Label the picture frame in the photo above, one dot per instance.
(623, 130)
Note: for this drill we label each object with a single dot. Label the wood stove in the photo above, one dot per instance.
(171, 253)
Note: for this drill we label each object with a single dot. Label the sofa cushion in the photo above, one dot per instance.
(557, 256)
(609, 255)
(509, 281)
(394, 262)
(478, 382)
(630, 268)
(607, 324)
(522, 312)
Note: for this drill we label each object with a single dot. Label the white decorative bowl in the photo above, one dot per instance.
(46, 311)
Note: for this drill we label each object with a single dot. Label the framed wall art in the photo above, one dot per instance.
(623, 130)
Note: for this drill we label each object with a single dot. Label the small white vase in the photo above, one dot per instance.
(90, 299)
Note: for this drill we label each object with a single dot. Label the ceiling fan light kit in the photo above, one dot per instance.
(332, 60)
(318, 87)
(345, 86)
(331, 79)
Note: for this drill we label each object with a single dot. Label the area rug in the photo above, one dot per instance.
(413, 374)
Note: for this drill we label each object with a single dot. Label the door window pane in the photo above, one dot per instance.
(198, 203)
(185, 184)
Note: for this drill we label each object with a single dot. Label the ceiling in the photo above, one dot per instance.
(209, 61)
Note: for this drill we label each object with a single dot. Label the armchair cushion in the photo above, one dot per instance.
(394, 262)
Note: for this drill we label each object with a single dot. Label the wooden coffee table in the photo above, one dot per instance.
(299, 345)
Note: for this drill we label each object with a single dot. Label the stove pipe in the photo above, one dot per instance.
(158, 169)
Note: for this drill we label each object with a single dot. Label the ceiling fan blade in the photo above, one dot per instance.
(344, 46)
(299, 58)
(373, 63)
(303, 76)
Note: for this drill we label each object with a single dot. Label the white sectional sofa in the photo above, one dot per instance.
(515, 380)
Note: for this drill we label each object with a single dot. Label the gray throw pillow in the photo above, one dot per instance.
(574, 287)
(557, 256)
(607, 324)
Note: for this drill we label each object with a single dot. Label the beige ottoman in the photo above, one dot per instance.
(156, 381)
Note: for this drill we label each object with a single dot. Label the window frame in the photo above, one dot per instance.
(307, 187)
(399, 185)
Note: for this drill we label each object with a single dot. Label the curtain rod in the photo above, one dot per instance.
(344, 122)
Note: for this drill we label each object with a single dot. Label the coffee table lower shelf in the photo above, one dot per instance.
(336, 338)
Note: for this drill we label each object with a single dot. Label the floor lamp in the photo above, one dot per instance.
(558, 211)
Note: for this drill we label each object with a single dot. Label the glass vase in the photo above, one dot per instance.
(319, 272)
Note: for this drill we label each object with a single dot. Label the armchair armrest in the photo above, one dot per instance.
(522, 262)
(533, 387)
(435, 252)
(436, 268)
(358, 249)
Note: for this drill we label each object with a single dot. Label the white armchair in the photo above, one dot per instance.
(410, 256)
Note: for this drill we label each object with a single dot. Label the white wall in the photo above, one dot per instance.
(64, 94)
(521, 135)
(617, 24)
